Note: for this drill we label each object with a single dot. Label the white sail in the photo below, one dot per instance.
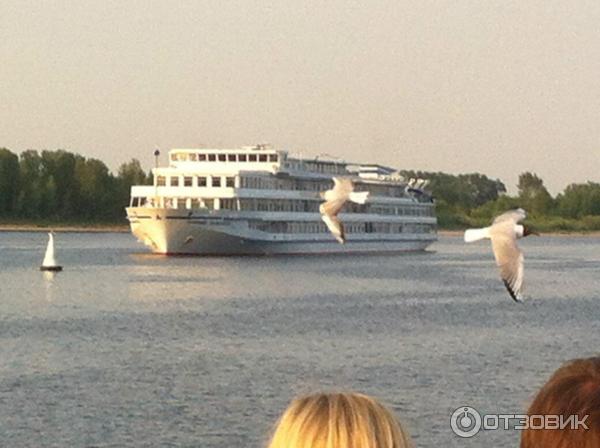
(49, 260)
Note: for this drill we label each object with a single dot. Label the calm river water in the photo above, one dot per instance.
(127, 349)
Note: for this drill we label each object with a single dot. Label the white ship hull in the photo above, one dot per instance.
(179, 232)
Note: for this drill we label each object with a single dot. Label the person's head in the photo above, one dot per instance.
(338, 420)
(573, 390)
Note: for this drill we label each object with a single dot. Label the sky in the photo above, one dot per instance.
(496, 87)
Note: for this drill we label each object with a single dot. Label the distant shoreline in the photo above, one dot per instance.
(124, 228)
(67, 228)
(591, 233)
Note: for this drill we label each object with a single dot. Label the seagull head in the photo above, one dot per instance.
(529, 231)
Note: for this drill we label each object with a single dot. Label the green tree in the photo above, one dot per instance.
(96, 189)
(464, 191)
(31, 185)
(60, 165)
(49, 202)
(481, 189)
(9, 181)
(533, 194)
(132, 173)
(579, 200)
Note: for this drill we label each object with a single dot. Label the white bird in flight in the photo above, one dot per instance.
(504, 233)
(342, 191)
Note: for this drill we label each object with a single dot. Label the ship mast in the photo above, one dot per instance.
(156, 154)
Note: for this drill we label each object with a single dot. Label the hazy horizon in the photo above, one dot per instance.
(456, 86)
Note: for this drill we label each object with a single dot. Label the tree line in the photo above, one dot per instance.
(61, 186)
(471, 200)
(64, 187)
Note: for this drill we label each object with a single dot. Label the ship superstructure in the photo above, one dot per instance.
(258, 200)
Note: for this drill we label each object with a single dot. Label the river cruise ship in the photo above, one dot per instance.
(261, 201)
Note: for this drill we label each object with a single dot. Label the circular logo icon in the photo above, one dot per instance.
(465, 422)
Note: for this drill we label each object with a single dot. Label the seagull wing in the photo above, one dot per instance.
(337, 196)
(342, 187)
(509, 258)
(341, 190)
(335, 226)
(335, 200)
(513, 215)
(331, 207)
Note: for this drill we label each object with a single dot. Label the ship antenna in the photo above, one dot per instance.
(156, 154)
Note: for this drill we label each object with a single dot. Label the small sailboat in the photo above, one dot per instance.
(49, 263)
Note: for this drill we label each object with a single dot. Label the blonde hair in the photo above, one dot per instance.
(338, 420)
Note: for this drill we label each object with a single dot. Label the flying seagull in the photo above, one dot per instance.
(342, 191)
(504, 233)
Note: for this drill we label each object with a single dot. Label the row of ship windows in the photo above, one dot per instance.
(196, 181)
(319, 167)
(259, 183)
(355, 227)
(296, 205)
(271, 183)
(274, 183)
(278, 205)
(230, 157)
(245, 157)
